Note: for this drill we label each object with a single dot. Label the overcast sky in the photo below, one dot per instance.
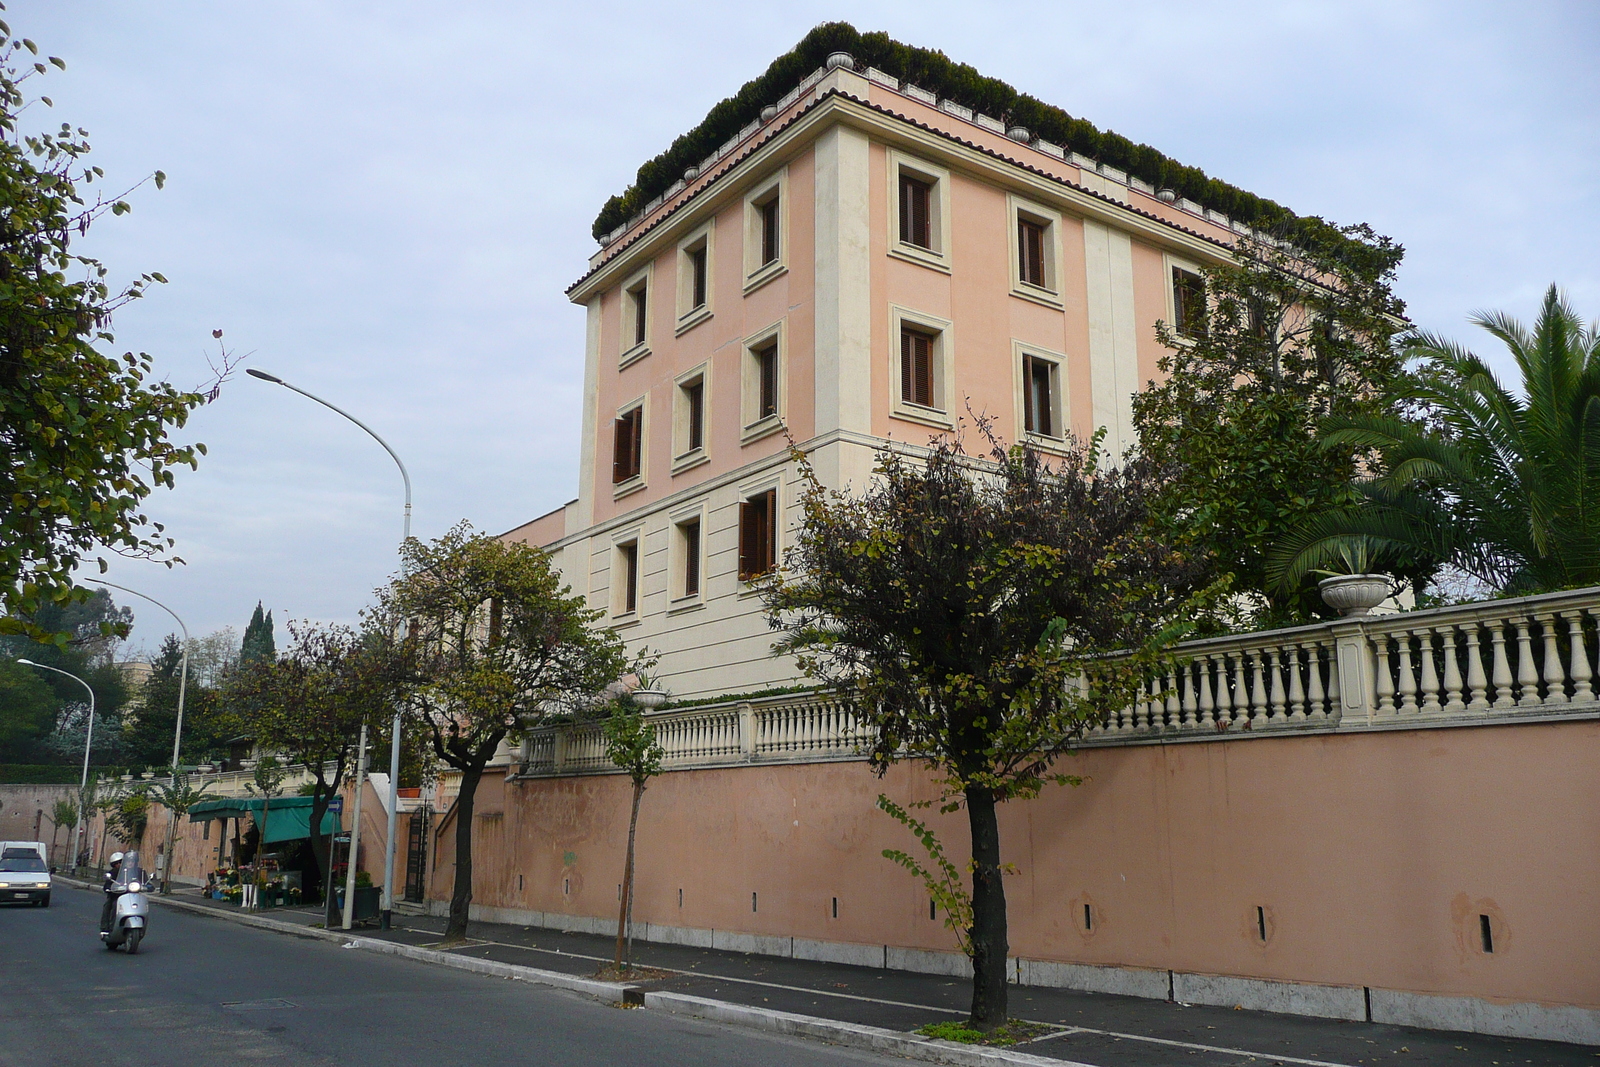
(383, 203)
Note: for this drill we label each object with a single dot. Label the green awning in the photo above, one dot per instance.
(288, 818)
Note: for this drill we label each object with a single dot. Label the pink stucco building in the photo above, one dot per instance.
(863, 264)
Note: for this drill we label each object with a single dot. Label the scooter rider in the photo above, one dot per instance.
(112, 889)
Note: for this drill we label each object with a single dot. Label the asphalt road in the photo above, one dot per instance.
(204, 991)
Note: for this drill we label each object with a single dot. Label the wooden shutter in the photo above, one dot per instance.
(691, 558)
(767, 359)
(916, 368)
(694, 395)
(697, 260)
(1030, 252)
(915, 197)
(1040, 407)
(621, 449)
(747, 538)
(640, 314)
(769, 532)
(630, 563)
(769, 231)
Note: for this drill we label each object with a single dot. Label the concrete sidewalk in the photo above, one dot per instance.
(1100, 1029)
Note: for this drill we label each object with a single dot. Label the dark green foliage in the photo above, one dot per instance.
(258, 644)
(1288, 344)
(207, 721)
(44, 773)
(965, 607)
(1504, 487)
(84, 637)
(937, 73)
(83, 435)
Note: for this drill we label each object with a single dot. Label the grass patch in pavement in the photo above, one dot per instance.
(1012, 1033)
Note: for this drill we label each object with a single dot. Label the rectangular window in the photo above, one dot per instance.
(697, 277)
(916, 211)
(628, 579)
(627, 445)
(639, 303)
(758, 535)
(1039, 402)
(694, 402)
(1030, 252)
(690, 532)
(916, 367)
(1188, 303)
(770, 235)
(766, 359)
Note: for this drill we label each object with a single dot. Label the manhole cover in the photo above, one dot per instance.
(270, 1004)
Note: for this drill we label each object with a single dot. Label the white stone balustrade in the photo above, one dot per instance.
(1514, 660)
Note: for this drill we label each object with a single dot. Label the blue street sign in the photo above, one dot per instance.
(336, 805)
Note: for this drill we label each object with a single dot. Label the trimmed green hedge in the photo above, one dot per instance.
(44, 773)
(937, 73)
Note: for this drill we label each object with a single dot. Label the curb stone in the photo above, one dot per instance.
(854, 1035)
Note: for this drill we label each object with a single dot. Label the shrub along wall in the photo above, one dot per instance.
(938, 73)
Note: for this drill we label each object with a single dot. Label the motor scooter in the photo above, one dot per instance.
(131, 908)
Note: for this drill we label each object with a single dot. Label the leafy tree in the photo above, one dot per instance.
(631, 745)
(207, 722)
(1505, 487)
(494, 643)
(1278, 344)
(177, 796)
(84, 436)
(28, 707)
(309, 706)
(64, 813)
(965, 609)
(89, 632)
(128, 814)
(258, 644)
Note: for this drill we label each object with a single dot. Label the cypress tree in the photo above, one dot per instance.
(258, 645)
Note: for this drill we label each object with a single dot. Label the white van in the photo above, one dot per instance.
(24, 873)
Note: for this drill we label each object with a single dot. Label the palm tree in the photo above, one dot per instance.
(1505, 487)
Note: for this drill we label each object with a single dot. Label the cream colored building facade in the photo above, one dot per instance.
(865, 264)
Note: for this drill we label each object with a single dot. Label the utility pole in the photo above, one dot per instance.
(355, 833)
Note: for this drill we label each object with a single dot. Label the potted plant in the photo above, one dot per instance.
(1351, 587)
(647, 691)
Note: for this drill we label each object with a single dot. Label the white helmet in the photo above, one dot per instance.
(116, 857)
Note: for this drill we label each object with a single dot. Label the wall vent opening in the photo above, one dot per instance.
(566, 887)
(933, 909)
(680, 898)
(519, 883)
(1486, 932)
(1261, 921)
(1088, 918)
(752, 901)
(835, 907)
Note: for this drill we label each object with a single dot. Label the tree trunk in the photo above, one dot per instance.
(625, 911)
(989, 947)
(461, 896)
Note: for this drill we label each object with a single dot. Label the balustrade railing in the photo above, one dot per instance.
(1491, 661)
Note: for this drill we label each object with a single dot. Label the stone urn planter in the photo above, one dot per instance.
(1354, 594)
(147, 775)
(204, 768)
(649, 699)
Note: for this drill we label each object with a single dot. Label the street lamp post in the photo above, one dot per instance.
(83, 786)
(394, 737)
(177, 730)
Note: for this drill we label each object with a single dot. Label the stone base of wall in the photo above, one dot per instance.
(1352, 1003)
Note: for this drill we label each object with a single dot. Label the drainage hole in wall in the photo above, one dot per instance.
(566, 887)
(752, 902)
(1486, 932)
(519, 883)
(1088, 918)
(1261, 922)
(835, 907)
(680, 898)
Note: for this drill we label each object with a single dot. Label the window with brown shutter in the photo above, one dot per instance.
(769, 231)
(628, 561)
(1030, 252)
(916, 367)
(916, 212)
(691, 558)
(1188, 303)
(641, 309)
(1039, 401)
(697, 269)
(627, 445)
(766, 359)
(694, 395)
(758, 548)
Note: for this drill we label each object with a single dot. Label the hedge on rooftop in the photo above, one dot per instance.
(937, 73)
